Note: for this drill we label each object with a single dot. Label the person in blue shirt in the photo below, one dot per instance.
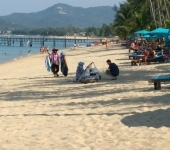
(113, 70)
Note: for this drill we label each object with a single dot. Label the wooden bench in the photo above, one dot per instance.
(157, 81)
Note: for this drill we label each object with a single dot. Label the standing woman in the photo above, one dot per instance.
(64, 66)
(55, 62)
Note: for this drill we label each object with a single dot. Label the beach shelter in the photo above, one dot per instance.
(144, 32)
(149, 37)
(160, 32)
(167, 41)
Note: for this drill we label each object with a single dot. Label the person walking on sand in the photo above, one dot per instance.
(55, 62)
(107, 44)
(113, 70)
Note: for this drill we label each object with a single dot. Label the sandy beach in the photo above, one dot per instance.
(40, 112)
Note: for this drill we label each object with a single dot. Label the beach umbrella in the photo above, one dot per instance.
(161, 32)
(149, 37)
(142, 32)
(146, 37)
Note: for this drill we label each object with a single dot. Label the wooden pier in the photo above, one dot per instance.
(30, 40)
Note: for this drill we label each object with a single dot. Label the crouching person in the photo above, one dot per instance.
(113, 70)
(79, 70)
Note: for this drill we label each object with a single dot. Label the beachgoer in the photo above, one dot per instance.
(55, 62)
(64, 66)
(152, 53)
(20, 52)
(133, 47)
(29, 51)
(48, 49)
(107, 44)
(5, 53)
(79, 70)
(75, 45)
(113, 69)
(145, 57)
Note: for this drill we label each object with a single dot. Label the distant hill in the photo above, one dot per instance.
(62, 15)
(4, 25)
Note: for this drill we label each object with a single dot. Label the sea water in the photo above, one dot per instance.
(12, 53)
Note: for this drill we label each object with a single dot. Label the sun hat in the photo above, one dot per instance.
(55, 49)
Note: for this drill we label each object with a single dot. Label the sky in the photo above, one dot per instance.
(25, 6)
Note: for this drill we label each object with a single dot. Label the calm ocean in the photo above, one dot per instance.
(13, 52)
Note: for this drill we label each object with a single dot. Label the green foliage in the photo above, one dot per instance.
(48, 31)
(134, 15)
(5, 26)
(167, 23)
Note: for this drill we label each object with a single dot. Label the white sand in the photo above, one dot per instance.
(40, 112)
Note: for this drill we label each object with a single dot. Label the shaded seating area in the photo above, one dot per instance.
(157, 80)
(159, 59)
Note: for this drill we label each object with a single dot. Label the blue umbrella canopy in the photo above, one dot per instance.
(159, 32)
(142, 32)
(149, 37)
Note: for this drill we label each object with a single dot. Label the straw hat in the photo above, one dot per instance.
(55, 49)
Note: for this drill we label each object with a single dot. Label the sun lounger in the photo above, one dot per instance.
(134, 50)
(157, 81)
(135, 56)
(160, 59)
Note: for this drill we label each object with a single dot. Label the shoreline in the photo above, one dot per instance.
(29, 55)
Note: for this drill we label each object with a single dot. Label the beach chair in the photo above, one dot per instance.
(135, 56)
(157, 81)
(160, 59)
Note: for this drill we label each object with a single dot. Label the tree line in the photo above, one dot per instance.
(105, 31)
(134, 15)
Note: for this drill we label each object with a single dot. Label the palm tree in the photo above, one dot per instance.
(134, 15)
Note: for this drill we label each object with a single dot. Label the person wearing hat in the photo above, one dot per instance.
(55, 62)
(79, 70)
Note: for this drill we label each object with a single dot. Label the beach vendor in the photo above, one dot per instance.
(55, 62)
(79, 70)
(64, 66)
(113, 70)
